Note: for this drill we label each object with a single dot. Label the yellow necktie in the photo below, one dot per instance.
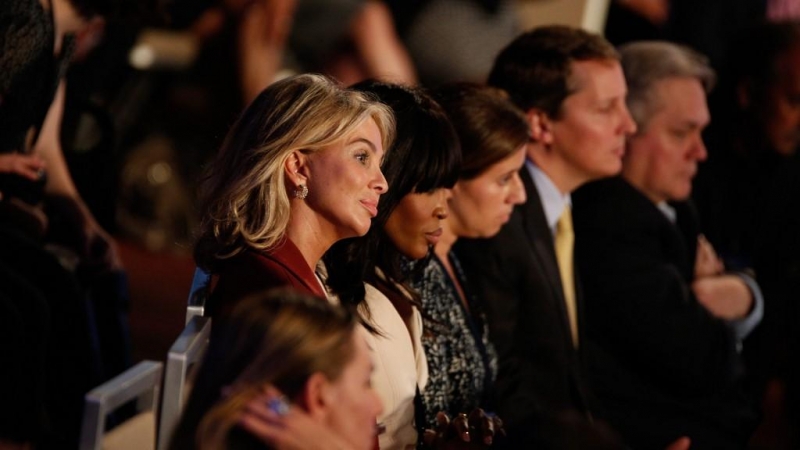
(565, 243)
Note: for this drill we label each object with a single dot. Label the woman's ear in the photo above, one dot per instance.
(296, 168)
(316, 396)
(541, 126)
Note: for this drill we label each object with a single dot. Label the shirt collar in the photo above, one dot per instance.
(553, 201)
(668, 211)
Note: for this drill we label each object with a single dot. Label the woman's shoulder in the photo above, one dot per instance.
(249, 263)
(380, 307)
(252, 271)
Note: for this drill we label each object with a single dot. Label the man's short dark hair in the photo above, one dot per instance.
(536, 68)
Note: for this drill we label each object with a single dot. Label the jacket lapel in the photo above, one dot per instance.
(540, 238)
(288, 255)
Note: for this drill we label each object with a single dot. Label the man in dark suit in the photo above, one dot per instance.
(571, 86)
(664, 318)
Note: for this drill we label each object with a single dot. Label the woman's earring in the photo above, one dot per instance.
(301, 191)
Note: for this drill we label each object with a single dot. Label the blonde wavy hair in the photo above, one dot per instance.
(243, 195)
(278, 338)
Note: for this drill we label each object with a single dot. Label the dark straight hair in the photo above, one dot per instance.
(424, 157)
(536, 68)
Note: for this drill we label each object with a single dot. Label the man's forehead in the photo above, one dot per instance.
(684, 99)
(594, 63)
(597, 75)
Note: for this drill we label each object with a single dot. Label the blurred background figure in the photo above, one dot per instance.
(63, 289)
(707, 26)
(350, 40)
(748, 194)
(454, 40)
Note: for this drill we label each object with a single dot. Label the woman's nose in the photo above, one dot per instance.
(380, 184)
(518, 195)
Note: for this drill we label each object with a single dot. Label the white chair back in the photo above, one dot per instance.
(140, 382)
(183, 356)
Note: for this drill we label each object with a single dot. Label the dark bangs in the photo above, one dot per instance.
(432, 157)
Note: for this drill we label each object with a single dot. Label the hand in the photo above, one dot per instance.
(101, 249)
(707, 263)
(682, 443)
(290, 429)
(74, 227)
(477, 431)
(27, 166)
(726, 297)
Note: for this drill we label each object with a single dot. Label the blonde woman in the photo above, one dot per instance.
(299, 171)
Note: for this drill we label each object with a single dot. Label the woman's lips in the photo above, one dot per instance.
(433, 236)
(371, 206)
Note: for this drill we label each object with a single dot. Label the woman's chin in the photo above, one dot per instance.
(357, 231)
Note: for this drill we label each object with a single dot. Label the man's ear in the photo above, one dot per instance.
(296, 168)
(316, 396)
(540, 125)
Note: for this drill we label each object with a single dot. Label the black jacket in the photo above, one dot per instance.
(661, 364)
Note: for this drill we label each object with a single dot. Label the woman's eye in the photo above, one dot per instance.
(506, 179)
(362, 158)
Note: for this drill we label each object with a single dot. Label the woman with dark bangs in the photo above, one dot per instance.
(367, 272)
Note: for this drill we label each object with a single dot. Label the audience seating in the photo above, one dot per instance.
(140, 382)
(183, 356)
(198, 294)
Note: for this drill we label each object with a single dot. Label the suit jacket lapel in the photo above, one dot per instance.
(540, 238)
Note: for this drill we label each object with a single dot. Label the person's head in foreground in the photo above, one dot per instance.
(305, 348)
